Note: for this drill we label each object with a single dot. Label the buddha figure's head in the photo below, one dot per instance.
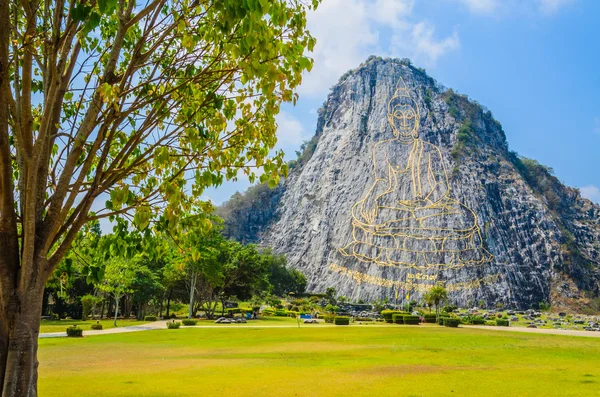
(403, 113)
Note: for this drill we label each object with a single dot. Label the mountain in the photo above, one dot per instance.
(407, 184)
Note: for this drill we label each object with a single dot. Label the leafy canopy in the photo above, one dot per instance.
(138, 106)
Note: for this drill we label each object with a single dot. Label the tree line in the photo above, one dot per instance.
(131, 273)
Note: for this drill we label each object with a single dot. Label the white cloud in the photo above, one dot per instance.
(391, 12)
(591, 192)
(427, 46)
(348, 31)
(552, 6)
(289, 130)
(480, 6)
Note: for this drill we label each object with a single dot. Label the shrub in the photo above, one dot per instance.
(451, 322)
(189, 321)
(268, 311)
(429, 317)
(398, 318)
(293, 314)
(475, 320)
(363, 319)
(329, 318)
(411, 320)
(74, 331)
(449, 308)
(501, 322)
(442, 319)
(387, 315)
(280, 313)
(173, 324)
(150, 317)
(341, 320)
(490, 323)
(96, 326)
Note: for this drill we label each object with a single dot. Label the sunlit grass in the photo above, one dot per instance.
(320, 361)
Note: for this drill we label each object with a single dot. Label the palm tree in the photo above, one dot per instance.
(436, 295)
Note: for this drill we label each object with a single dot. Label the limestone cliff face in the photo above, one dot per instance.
(454, 205)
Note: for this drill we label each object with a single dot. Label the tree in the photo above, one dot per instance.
(330, 293)
(239, 272)
(88, 303)
(145, 286)
(118, 278)
(380, 304)
(199, 251)
(146, 104)
(436, 295)
(283, 279)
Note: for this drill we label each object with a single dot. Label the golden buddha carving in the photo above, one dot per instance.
(408, 218)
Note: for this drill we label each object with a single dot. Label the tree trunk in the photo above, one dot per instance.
(117, 298)
(140, 311)
(19, 330)
(168, 305)
(193, 279)
(109, 308)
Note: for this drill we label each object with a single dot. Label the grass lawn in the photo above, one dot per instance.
(61, 325)
(320, 361)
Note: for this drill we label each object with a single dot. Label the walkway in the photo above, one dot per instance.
(163, 325)
(567, 332)
(119, 330)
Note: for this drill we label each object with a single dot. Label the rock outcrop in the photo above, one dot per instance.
(410, 184)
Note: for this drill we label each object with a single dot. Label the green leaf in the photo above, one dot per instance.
(81, 12)
(92, 23)
(107, 6)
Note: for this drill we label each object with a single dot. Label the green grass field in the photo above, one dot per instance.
(320, 361)
(61, 325)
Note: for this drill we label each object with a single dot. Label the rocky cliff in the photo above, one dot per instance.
(408, 184)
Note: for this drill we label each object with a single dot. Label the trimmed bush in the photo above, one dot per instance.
(441, 319)
(329, 318)
(387, 315)
(150, 317)
(363, 319)
(341, 320)
(411, 320)
(451, 322)
(490, 323)
(398, 318)
(429, 317)
(74, 331)
(173, 324)
(280, 313)
(500, 322)
(268, 311)
(96, 327)
(189, 321)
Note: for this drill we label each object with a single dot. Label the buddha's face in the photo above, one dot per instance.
(403, 116)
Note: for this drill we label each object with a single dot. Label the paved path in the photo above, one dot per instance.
(567, 332)
(119, 330)
(163, 325)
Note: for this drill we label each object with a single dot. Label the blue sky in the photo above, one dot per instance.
(534, 63)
